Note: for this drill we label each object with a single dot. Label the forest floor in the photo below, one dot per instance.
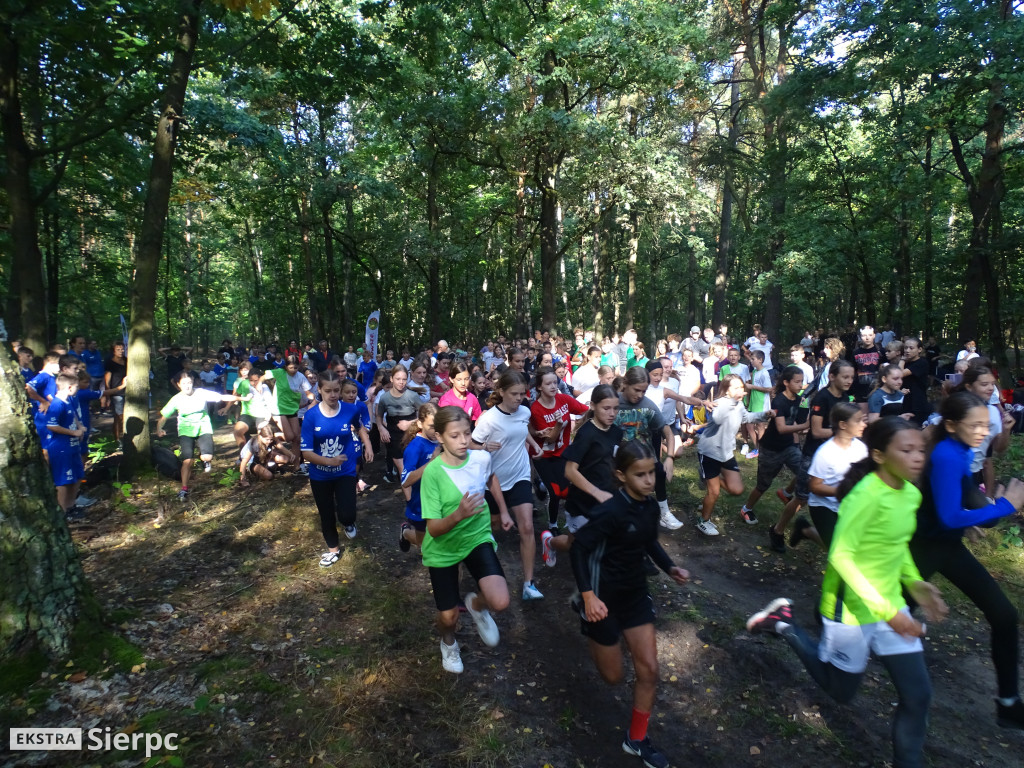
(224, 630)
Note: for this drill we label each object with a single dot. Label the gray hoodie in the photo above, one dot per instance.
(718, 439)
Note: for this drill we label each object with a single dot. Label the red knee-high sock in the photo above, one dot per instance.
(638, 725)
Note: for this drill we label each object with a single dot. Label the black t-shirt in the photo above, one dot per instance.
(915, 379)
(117, 372)
(174, 365)
(623, 530)
(866, 361)
(788, 409)
(822, 405)
(593, 450)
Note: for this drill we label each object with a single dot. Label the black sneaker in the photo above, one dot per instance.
(645, 751)
(801, 525)
(388, 478)
(74, 514)
(768, 618)
(403, 543)
(776, 541)
(1010, 716)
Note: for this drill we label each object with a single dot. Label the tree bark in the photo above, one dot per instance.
(41, 579)
(154, 220)
(725, 226)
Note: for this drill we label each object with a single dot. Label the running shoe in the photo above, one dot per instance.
(744, 450)
(303, 470)
(547, 551)
(645, 751)
(85, 501)
(1010, 716)
(767, 619)
(781, 493)
(327, 559)
(542, 492)
(350, 531)
(801, 525)
(776, 541)
(451, 659)
(388, 478)
(748, 515)
(707, 527)
(485, 625)
(183, 494)
(753, 454)
(670, 521)
(207, 467)
(404, 544)
(74, 514)
(530, 591)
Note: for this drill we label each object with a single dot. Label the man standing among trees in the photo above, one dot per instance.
(321, 356)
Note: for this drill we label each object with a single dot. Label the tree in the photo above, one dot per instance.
(41, 579)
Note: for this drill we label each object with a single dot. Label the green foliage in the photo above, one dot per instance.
(230, 477)
(1011, 537)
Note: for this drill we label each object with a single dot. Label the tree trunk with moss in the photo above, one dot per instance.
(41, 581)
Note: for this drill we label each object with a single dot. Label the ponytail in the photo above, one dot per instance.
(427, 409)
(877, 437)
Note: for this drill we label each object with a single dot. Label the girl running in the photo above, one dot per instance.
(418, 380)
(459, 378)
(291, 390)
(326, 445)
(551, 425)
(716, 460)
(504, 431)
(641, 419)
(840, 379)
(979, 380)
(459, 533)
(829, 466)
(862, 605)
(778, 446)
(395, 414)
(887, 399)
(263, 456)
(952, 503)
(608, 562)
(420, 447)
(350, 395)
(589, 468)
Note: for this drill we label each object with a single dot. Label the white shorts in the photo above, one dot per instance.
(847, 647)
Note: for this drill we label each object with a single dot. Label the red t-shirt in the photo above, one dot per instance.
(543, 418)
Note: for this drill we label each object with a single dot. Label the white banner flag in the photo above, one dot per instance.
(372, 326)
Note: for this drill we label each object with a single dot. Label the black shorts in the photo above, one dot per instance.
(710, 468)
(824, 520)
(551, 471)
(481, 562)
(625, 611)
(396, 451)
(418, 525)
(188, 445)
(803, 480)
(249, 422)
(518, 494)
(770, 463)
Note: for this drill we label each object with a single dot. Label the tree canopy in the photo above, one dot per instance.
(476, 168)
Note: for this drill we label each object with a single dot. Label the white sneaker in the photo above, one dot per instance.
(350, 530)
(85, 501)
(547, 551)
(530, 591)
(707, 528)
(451, 659)
(670, 521)
(485, 625)
(744, 450)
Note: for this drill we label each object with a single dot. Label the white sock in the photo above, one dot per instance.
(1008, 702)
(744, 509)
(663, 505)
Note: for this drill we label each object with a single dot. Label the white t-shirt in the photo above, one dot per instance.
(995, 428)
(689, 376)
(761, 378)
(767, 348)
(830, 465)
(667, 404)
(585, 378)
(808, 373)
(511, 462)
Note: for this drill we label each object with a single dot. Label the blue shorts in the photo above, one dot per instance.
(65, 465)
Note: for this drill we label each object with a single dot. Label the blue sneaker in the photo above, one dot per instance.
(645, 751)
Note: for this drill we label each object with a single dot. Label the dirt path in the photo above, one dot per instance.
(256, 656)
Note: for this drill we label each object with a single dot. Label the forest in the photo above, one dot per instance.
(269, 169)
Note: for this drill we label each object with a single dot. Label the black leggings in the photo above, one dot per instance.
(551, 471)
(910, 676)
(336, 502)
(660, 477)
(954, 561)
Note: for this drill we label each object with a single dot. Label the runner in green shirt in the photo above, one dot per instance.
(459, 533)
(193, 425)
(862, 607)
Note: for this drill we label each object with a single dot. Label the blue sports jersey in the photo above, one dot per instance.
(417, 453)
(330, 436)
(364, 420)
(61, 413)
(45, 385)
(93, 363)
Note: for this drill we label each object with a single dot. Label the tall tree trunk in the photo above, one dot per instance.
(929, 246)
(154, 220)
(26, 258)
(599, 253)
(524, 251)
(632, 249)
(434, 264)
(548, 161)
(725, 225)
(41, 579)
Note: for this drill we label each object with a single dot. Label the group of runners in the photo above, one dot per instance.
(889, 484)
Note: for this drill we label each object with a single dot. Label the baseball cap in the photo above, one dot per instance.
(695, 329)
